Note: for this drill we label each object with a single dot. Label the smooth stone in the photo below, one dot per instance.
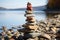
(27, 15)
(30, 23)
(30, 18)
(45, 36)
(29, 12)
(34, 34)
(33, 27)
(31, 35)
(36, 38)
(24, 30)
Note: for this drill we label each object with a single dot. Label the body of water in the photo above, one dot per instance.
(15, 18)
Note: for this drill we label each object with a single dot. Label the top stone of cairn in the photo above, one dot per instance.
(29, 6)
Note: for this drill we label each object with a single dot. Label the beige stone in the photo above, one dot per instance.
(4, 28)
(31, 23)
(46, 36)
(17, 34)
(54, 29)
(30, 18)
(30, 39)
(36, 38)
(27, 15)
(33, 27)
(29, 12)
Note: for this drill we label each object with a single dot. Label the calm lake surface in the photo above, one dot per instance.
(15, 18)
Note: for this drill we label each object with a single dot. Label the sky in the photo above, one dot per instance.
(21, 3)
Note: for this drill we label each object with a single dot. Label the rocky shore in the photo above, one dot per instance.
(48, 29)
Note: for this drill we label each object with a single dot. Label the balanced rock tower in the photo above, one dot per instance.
(30, 20)
(30, 25)
(31, 29)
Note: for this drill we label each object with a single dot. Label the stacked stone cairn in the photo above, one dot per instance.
(31, 23)
(31, 29)
(30, 26)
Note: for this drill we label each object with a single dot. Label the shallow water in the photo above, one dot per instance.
(15, 18)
